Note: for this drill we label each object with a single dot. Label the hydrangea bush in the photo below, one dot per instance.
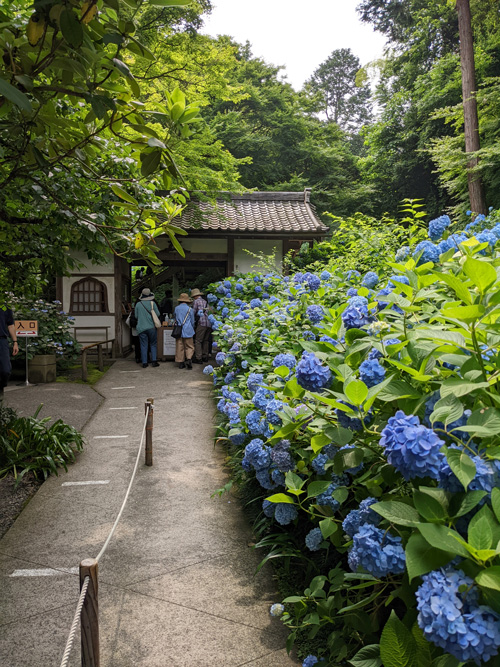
(54, 328)
(372, 443)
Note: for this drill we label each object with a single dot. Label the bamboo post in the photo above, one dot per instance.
(100, 361)
(90, 615)
(84, 366)
(149, 431)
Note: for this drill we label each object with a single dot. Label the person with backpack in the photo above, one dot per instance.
(146, 326)
(203, 327)
(184, 347)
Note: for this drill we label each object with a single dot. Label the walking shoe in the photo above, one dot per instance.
(197, 361)
(182, 365)
(144, 365)
(189, 364)
(155, 364)
(204, 358)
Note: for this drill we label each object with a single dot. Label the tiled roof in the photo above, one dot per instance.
(256, 212)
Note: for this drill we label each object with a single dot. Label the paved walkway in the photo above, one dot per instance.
(176, 585)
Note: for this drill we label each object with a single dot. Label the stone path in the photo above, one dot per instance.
(176, 585)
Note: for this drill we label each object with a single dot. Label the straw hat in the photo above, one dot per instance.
(196, 292)
(146, 295)
(184, 298)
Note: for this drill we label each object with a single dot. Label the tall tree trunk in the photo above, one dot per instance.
(471, 121)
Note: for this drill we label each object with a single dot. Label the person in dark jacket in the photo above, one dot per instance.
(203, 327)
(7, 328)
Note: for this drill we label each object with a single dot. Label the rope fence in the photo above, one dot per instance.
(87, 609)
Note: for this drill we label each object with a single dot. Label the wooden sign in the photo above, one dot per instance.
(26, 327)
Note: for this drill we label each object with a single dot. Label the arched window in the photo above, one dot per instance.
(88, 296)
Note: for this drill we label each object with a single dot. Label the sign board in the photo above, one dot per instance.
(168, 343)
(26, 327)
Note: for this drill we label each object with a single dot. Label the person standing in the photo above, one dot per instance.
(184, 347)
(146, 329)
(202, 327)
(7, 328)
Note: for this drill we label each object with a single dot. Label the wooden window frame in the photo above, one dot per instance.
(104, 300)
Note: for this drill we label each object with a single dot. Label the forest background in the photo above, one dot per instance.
(148, 103)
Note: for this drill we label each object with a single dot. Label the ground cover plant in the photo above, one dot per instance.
(362, 411)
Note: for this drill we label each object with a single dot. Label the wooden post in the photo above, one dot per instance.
(84, 366)
(90, 615)
(100, 361)
(149, 431)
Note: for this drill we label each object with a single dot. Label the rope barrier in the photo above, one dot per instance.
(74, 625)
(83, 593)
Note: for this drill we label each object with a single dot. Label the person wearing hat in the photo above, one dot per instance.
(203, 328)
(184, 347)
(146, 329)
(7, 329)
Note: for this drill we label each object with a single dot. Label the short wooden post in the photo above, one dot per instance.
(149, 431)
(90, 615)
(84, 365)
(100, 360)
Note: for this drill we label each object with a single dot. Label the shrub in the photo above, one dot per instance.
(388, 471)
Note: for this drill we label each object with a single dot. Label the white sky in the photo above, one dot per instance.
(299, 35)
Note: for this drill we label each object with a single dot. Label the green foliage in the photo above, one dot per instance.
(31, 445)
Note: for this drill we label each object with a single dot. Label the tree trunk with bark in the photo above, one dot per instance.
(471, 121)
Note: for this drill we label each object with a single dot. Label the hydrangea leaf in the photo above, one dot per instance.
(368, 656)
(328, 527)
(398, 513)
(315, 488)
(280, 498)
(495, 502)
(421, 557)
(428, 507)
(424, 648)
(490, 578)
(446, 661)
(443, 538)
(339, 435)
(483, 423)
(397, 389)
(465, 314)
(483, 531)
(462, 465)
(356, 391)
(282, 371)
(398, 647)
(480, 272)
(462, 503)
(457, 286)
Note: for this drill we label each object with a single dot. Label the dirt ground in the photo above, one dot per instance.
(12, 500)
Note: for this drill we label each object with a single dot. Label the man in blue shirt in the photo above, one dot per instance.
(7, 329)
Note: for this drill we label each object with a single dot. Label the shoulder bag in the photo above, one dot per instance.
(177, 330)
(154, 316)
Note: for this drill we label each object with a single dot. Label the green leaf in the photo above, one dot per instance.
(398, 647)
(315, 488)
(464, 313)
(338, 435)
(340, 495)
(464, 502)
(446, 661)
(457, 286)
(71, 28)
(483, 422)
(490, 578)
(462, 466)
(120, 192)
(14, 95)
(292, 389)
(328, 527)
(398, 513)
(155, 143)
(430, 508)
(457, 387)
(397, 389)
(150, 162)
(356, 391)
(368, 656)
(282, 371)
(495, 502)
(442, 537)
(480, 272)
(293, 481)
(281, 498)
(480, 534)
(424, 656)
(421, 557)
(169, 3)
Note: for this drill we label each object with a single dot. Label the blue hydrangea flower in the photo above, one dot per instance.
(308, 335)
(278, 477)
(264, 334)
(438, 226)
(313, 539)
(402, 253)
(413, 449)
(371, 372)
(352, 291)
(326, 499)
(255, 303)
(377, 552)
(310, 661)
(355, 317)
(364, 514)
(233, 412)
(318, 463)
(285, 513)
(262, 397)
(430, 253)
(221, 406)
(312, 281)
(451, 617)
(315, 313)
(485, 479)
(477, 220)
(284, 359)
(239, 287)
(258, 289)
(258, 454)
(268, 508)
(254, 422)
(347, 421)
(281, 457)
(325, 275)
(328, 339)
(352, 275)
(244, 364)
(237, 439)
(311, 374)
(220, 289)
(277, 610)
(208, 370)
(298, 277)
(487, 236)
(370, 279)
(220, 358)
(254, 380)
(272, 407)
(211, 298)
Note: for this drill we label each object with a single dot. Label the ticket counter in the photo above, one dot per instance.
(166, 344)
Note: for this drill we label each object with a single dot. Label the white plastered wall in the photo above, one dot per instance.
(243, 261)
